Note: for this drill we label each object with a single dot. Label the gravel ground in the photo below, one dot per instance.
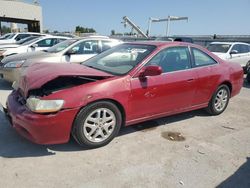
(214, 152)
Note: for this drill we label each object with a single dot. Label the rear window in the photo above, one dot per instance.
(220, 48)
(201, 58)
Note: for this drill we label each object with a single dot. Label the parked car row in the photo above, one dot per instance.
(35, 44)
(15, 37)
(18, 43)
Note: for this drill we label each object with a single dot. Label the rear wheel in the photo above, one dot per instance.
(219, 100)
(97, 124)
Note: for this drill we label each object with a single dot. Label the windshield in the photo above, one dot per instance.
(61, 46)
(22, 41)
(121, 59)
(31, 41)
(10, 36)
(221, 48)
(5, 36)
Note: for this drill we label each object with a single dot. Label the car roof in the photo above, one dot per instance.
(95, 38)
(229, 43)
(163, 43)
(51, 36)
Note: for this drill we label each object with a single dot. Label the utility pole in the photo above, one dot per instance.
(168, 20)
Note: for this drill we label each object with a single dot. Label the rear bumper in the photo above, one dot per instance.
(40, 128)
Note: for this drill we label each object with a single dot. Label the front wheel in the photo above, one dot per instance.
(219, 100)
(97, 124)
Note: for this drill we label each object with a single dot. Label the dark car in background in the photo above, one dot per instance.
(179, 39)
(248, 72)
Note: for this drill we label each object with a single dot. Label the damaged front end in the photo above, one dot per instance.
(45, 102)
(36, 101)
(61, 83)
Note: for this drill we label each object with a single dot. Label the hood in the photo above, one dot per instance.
(6, 41)
(17, 50)
(39, 74)
(24, 56)
(3, 46)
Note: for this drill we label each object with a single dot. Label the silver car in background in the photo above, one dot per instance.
(74, 50)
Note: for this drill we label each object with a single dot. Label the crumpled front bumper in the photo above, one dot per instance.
(40, 128)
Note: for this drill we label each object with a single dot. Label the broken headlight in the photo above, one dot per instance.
(44, 106)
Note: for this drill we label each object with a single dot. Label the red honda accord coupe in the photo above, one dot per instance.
(127, 84)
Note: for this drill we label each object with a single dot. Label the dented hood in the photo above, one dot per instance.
(39, 74)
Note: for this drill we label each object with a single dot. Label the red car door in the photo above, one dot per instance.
(208, 74)
(173, 90)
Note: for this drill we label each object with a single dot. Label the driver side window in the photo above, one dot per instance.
(86, 47)
(45, 43)
(236, 47)
(172, 59)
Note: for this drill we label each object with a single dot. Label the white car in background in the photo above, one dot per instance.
(18, 43)
(14, 37)
(237, 52)
(37, 44)
(2, 37)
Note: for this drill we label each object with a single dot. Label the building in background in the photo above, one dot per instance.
(19, 12)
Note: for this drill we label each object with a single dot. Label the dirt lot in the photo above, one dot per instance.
(215, 152)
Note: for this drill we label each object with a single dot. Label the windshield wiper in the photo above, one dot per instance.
(93, 67)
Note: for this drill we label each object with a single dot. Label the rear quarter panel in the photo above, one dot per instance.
(236, 77)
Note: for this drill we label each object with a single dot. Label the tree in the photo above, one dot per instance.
(80, 29)
(112, 32)
(5, 29)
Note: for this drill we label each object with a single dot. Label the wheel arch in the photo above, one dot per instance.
(118, 104)
(228, 84)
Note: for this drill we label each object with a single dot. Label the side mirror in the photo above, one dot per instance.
(34, 45)
(151, 70)
(70, 52)
(233, 52)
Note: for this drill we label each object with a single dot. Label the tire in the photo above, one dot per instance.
(248, 77)
(92, 128)
(247, 68)
(219, 100)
